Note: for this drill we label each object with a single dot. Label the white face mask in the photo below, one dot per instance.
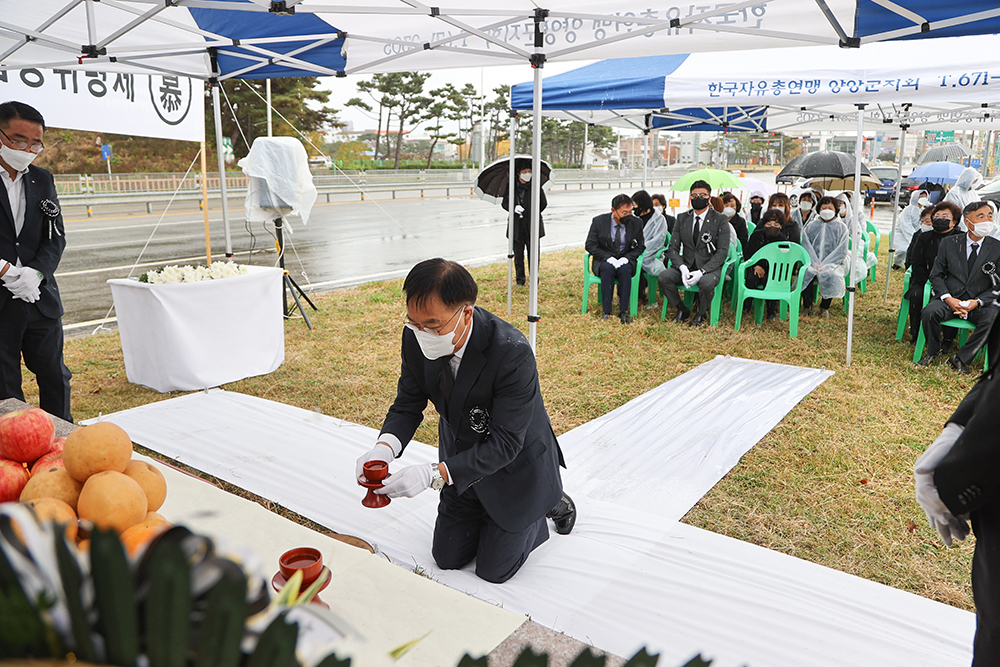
(435, 346)
(805, 205)
(778, 208)
(923, 202)
(658, 209)
(826, 215)
(926, 227)
(983, 228)
(526, 176)
(843, 211)
(18, 160)
(729, 211)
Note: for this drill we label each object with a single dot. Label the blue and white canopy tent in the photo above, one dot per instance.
(253, 38)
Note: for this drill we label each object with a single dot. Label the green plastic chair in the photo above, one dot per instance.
(732, 257)
(750, 228)
(589, 279)
(963, 326)
(784, 259)
(873, 232)
(904, 306)
(863, 282)
(652, 286)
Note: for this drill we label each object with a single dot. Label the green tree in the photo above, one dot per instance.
(244, 110)
(444, 105)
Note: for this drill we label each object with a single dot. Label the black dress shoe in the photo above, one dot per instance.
(564, 515)
(928, 359)
(957, 364)
(625, 318)
(606, 316)
(697, 321)
(682, 314)
(946, 345)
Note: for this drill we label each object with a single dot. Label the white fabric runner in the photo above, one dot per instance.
(625, 577)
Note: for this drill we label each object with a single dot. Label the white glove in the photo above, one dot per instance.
(695, 276)
(938, 515)
(408, 482)
(622, 261)
(518, 209)
(380, 452)
(685, 275)
(12, 274)
(27, 282)
(932, 456)
(615, 261)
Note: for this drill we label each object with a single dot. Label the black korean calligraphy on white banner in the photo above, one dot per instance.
(157, 105)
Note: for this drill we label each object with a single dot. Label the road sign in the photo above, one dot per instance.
(939, 137)
(732, 141)
(975, 162)
(106, 151)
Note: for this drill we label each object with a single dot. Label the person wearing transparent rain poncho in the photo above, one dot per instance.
(908, 225)
(847, 209)
(825, 239)
(964, 192)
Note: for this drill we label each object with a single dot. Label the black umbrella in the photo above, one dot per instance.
(822, 164)
(946, 153)
(493, 182)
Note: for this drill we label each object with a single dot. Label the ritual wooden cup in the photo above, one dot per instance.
(374, 473)
(306, 559)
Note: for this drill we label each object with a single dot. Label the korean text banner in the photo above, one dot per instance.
(162, 106)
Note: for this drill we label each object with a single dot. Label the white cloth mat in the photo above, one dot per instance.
(626, 577)
(190, 336)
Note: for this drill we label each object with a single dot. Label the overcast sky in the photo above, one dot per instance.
(485, 78)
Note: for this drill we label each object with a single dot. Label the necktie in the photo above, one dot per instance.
(696, 228)
(972, 256)
(620, 237)
(447, 377)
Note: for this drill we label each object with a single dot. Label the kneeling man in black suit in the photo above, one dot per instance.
(963, 286)
(499, 460)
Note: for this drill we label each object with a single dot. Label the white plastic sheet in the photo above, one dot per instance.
(625, 577)
(281, 184)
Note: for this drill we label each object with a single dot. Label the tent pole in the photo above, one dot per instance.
(267, 88)
(510, 205)
(895, 208)
(537, 62)
(217, 109)
(645, 156)
(855, 222)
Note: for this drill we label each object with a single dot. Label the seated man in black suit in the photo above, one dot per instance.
(499, 460)
(697, 251)
(963, 286)
(615, 242)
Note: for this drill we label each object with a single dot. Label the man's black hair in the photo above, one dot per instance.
(642, 200)
(619, 201)
(974, 206)
(450, 281)
(12, 110)
(700, 184)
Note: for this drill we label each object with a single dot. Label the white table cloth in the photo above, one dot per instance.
(191, 336)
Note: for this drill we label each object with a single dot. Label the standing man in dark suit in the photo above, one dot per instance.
(32, 239)
(499, 460)
(957, 480)
(961, 286)
(703, 233)
(615, 242)
(522, 219)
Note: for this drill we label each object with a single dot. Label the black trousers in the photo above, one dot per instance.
(609, 276)
(24, 331)
(669, 279)
(986, 585)
(464, 531)
(938, 311)
(522, 245)
(809, 296)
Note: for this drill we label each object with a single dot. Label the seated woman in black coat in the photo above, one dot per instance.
(920, 257)
(771, 229)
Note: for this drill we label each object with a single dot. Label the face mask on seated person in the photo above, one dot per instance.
(698, 203)
(941, 224)
(923, 202)
(983, 228)
(19, 160)
(729, 212)
(772, 229)
(926, 227)
(805, 206)
(658, 209)
(826, 215)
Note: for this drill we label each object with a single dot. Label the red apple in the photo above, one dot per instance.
(25, 435)
(13, 477)
(51, 460)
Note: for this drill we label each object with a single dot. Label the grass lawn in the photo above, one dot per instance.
(832, 483)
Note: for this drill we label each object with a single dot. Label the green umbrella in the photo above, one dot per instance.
(719, 179)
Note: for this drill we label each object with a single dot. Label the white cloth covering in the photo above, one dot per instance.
(189, 336)
(280, 181)
(826, 243)
(626, 577)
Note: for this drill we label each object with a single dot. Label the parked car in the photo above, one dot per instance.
(990, 191)
(935, 191)
(887, 191)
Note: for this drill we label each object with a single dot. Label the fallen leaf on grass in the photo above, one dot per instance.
(911, 526)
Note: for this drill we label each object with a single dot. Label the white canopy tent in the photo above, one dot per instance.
(217, 39)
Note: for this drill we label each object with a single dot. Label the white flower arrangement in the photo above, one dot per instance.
(192, 274)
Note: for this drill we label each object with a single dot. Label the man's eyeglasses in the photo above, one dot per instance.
(23, 145)
(437, 330)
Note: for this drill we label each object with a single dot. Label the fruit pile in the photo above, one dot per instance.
(87, 479)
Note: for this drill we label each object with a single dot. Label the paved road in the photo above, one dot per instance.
(344, 243)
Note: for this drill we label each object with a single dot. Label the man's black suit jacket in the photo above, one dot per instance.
(601, 246)
(950, 274)
(494, 432)
(41, 241)
(694, 252)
